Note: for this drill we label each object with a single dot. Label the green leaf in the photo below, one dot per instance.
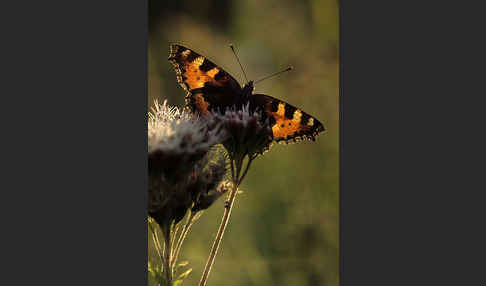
(184, 275)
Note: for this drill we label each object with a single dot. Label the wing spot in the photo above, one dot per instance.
(211, 73)
(198, 61)
(281, 109)
(185, 53)
(297, 116)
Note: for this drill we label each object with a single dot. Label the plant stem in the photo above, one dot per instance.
(167, 257)
(235, 164)
(156, 241)
(183, 235)
(219, 236)
(250, 159)
(173, 235)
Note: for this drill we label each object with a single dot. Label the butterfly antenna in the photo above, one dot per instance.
(272, 75)
(233, 49)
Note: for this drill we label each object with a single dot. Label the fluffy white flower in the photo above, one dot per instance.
(175, 131)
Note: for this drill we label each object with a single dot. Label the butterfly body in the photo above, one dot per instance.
(211, 89)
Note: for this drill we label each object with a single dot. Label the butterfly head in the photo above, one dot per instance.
(248, 88)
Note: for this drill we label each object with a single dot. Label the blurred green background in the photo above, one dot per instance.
(284, 229)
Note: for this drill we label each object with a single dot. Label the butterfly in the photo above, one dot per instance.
(211, 89)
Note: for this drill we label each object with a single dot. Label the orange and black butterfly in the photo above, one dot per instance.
(212, 89)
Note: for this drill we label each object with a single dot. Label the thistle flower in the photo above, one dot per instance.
(177, 139)
(185, 170)
(178, 161)
(249, 134)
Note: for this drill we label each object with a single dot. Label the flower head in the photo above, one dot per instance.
(177, 139)
(183, 165)
(248, 133)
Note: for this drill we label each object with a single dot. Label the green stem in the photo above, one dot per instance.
(246, 170)
(167, 258)
(183, 235)
(219, 236)
(156, 241)
(173, 236)
(227, 212)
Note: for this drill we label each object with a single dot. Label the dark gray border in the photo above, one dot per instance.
(75, 144)
(410, 128)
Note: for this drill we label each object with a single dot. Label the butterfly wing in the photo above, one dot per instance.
(211, 88)
(289, 124)
(201, 77)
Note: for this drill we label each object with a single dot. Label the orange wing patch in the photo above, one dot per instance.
(194, 71)
(196, 78)
(287, 127)
(291, 124)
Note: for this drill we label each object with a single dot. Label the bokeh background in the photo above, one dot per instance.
(284, 229)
